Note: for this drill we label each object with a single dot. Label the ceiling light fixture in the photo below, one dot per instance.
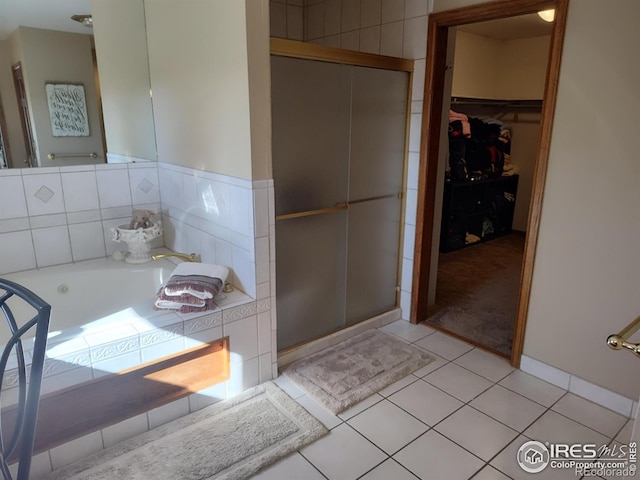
(86, 20)
(547, 15)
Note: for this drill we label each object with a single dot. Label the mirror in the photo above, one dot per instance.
(110, 64)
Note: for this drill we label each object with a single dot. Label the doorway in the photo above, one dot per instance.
(5, 152)
(25, 119)
(426, 249)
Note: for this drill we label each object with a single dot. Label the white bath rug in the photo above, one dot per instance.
(233, 439)
(342, 375)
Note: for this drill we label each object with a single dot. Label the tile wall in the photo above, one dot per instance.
(287, 19)
(213, 215)
(388, 27)
(56, 215)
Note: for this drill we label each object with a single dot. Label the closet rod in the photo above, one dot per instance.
(485, 102)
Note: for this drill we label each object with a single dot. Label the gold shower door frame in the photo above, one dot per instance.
(307, 51)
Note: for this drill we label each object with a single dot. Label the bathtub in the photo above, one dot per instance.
(103, 321)
(92, 294)
(104, 325)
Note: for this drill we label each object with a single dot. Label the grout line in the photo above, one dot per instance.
(522, 395)
(580, 423)
(486, 463)
(311, 463)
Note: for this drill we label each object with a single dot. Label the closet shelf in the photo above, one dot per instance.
(520, 105)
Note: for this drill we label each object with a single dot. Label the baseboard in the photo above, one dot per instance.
(296, 353)
(578, 386)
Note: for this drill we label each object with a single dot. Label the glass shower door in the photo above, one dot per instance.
(310, 110)
(376, 160)
(338, 155)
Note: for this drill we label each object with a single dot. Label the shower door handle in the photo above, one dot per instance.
(619, 341)
(379, 197)
(336, 208)
(309, 213)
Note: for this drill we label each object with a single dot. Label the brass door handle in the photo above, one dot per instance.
(336, 208)
(309, 213)
(619, 341)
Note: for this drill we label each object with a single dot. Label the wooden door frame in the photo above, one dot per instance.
(25, 119)
(438, 28)
(4, 137)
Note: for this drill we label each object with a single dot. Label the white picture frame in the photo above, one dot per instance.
(67, 110)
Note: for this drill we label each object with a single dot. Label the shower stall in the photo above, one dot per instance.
(339, 142)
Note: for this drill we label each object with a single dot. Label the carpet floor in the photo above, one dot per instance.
(477, 292)
(341, 376)
(232, 439)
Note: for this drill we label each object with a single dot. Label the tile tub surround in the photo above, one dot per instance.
(229, 220)
(56, 215)
(243, 241)
(78, 355)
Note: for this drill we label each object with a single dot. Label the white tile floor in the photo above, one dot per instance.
(462, 416)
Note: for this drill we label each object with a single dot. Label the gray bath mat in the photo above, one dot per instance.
(233, 439)
(350, 371)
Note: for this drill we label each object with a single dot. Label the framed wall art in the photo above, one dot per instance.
(67, 110)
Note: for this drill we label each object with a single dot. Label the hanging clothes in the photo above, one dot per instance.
(466, 128)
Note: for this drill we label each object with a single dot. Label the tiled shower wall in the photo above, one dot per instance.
(56, 215)
(388, 27)
(287, 19)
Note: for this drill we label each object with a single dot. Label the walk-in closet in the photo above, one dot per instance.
(498, 77)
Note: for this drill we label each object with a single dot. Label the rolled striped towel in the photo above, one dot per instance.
(182, 304)
(201, 280)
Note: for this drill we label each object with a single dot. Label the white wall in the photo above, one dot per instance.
(121, 51)
(258, 56)
(199, 77)
(500, 69)
(524, 148)
(476, 71)
(524, 67)
(587, 269)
